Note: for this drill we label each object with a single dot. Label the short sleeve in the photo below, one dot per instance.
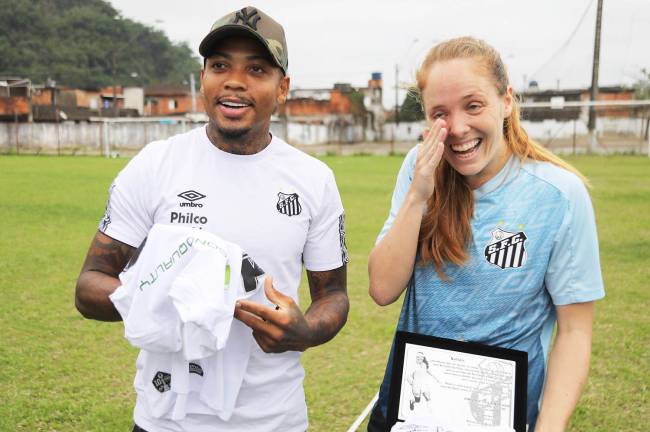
(325, 248)
(402, 185)
(573, 274)
(128, 217)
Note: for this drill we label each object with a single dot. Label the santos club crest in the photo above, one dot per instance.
(506, 249)
(288, 204)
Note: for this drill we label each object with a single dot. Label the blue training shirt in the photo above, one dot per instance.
(534, 246)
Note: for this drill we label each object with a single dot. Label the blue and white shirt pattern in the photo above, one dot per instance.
(534, 246)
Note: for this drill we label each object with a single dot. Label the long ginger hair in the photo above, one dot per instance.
(446, 231)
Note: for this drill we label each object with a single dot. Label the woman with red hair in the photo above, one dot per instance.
(492, 236)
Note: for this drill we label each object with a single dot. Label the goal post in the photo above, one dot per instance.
(622, 126)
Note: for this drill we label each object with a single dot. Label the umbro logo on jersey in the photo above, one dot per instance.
(190, 196)
(288, 204)
(196, 369)
(162, 381)
(506, 249)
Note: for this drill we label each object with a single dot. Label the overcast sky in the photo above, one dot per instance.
(345, 40)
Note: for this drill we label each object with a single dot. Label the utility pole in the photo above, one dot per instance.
(396, 122)
(593, 142)
(116, 112)
(30, 113)
(193, 92)
(396, 94)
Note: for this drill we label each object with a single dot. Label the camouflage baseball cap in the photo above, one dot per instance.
(249, 21)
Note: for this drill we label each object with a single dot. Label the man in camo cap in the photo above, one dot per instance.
(233, 178)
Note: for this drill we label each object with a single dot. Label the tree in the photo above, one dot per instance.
(411, 109)
(84, 43)
(642, 86)
(642, 91)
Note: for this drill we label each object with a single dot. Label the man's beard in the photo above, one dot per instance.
(232, 134)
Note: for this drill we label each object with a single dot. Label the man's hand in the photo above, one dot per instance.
(275, 329)
(285, 328)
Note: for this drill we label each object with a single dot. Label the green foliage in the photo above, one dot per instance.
(642, 86)
(356, 102)
(84, 43)
(60, 372)
(411, 109)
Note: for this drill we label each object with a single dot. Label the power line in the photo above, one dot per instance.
(566, 43)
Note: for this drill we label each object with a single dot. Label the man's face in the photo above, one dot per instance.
(241, 87)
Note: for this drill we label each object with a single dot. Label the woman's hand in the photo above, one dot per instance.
(429, 156)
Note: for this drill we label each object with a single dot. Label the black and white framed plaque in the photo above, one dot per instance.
(459, 383)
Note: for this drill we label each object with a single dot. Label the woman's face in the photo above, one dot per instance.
(462, 93)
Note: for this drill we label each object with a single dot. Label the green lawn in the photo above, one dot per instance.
(59, 372)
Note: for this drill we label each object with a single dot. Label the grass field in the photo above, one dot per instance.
(59, 372)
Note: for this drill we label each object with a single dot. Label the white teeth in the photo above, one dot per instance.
(233, 104)
(461, 147)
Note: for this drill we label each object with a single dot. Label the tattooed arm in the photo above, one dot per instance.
(286, 328)
(99, 277)
(329, 307)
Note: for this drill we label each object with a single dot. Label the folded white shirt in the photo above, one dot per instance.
(204, 301)
(177, 303)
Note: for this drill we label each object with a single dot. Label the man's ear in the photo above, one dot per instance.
(201, 76)
(285, 81)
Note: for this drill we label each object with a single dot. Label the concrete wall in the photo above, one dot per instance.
(134, 98)
(405, 131)
(307, 134)
(127, 138)
(83, 138)
(542, 130)
(315, 134)
(549, 129)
